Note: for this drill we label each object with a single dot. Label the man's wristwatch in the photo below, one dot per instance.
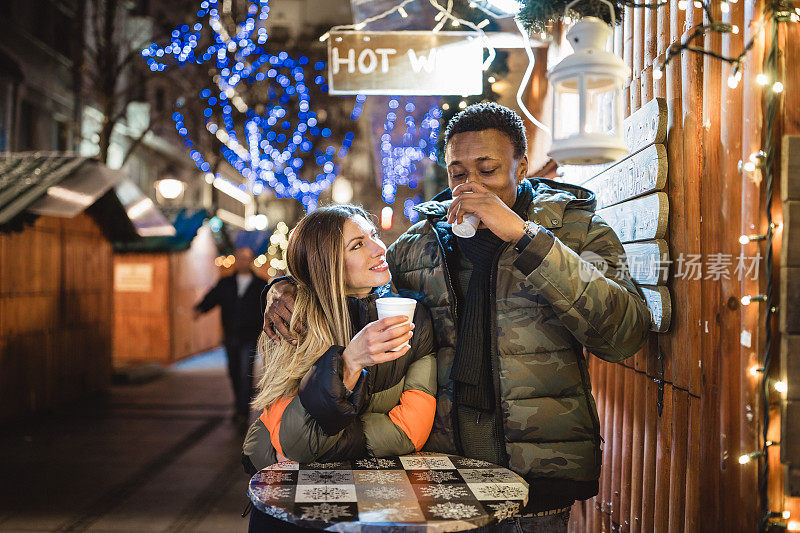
(530, 232)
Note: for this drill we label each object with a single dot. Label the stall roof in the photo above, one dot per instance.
(64, 185)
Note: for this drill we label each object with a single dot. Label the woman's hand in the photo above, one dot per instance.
(374, 344)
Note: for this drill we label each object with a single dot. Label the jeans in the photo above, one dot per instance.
(241, 356)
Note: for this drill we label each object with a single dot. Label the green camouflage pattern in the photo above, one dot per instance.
(544, 318)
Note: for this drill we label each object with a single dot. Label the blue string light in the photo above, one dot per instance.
(399, 160)
(267, 148)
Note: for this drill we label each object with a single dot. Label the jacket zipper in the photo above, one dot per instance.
(494, 356)
(592, 412)
(453, 309)
(450, 290)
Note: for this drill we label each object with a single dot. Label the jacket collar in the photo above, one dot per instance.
(550, 200)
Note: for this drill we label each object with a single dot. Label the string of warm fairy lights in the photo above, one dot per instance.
(763, 161)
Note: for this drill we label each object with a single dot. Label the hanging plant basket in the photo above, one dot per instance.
(538, 15)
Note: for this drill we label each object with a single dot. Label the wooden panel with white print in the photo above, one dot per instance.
(631, 199)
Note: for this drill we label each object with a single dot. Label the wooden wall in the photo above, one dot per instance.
(678, 470)
(157, 325)
(55, 314)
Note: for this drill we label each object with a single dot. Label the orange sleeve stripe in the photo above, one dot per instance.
(414, 415)
(271, 417)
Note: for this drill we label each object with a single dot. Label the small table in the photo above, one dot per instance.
(417, 492)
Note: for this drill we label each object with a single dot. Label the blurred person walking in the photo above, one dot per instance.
(238, 296)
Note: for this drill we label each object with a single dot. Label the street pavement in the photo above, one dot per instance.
(157, 456)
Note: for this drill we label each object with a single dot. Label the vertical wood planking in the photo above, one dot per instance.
(627, 56)
(639, 394)
(692, 106)
(677, 469)
(696, 435)
(616, 457)
(627, 451)
(663, 499)
(608, 435)
(753, 221)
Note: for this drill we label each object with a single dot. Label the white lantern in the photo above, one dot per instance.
(587, 97)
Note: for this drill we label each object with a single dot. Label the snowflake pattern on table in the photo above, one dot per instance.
(316, 493)
(272, 492)
(277, 512)
(324, 511)
(384, 493)
(325, 466)
(497, 491)
(453, 510)
(494, 475)
(444, 492)
(398, 512)
(375, 462)
(503, 510)
(379, 477)
(414, 463)
(434, 476)
(473, 463)
(274, 476)
(325, 477)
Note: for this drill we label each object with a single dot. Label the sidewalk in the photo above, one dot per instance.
(158, 456)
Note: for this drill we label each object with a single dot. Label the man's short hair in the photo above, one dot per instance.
(489, 116)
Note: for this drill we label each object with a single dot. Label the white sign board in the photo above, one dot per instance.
(405, 63)
(133, 277)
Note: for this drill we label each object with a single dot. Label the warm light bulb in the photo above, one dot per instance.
(762, 79)
(735, 29)
(753, 371)
(786, 515)
(387, 213)
(658, 73)
(724, 7)
(781, 387)
(744, 459)
(462, 104)
(744, 239)
(698, 4)
(683, 4)
(793, 525)
(170, 188)
(777, 87)
(732, 81)
(491, 79)
(750, 166)
(746, 299)
(445, 106)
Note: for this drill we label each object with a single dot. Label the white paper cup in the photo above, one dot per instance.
(395, 306)
(468, 226)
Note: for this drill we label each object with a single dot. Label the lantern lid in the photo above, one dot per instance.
(588, 37)
(588, 32)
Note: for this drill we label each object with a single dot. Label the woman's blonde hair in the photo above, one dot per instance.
(315, 260)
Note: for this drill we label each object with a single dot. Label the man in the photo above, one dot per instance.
(513, 307)
(239, 299)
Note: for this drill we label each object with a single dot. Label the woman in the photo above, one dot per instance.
(351, 386)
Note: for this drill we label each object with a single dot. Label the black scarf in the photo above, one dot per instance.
(472, 371)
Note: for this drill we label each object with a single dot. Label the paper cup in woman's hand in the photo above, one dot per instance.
(390, 307)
